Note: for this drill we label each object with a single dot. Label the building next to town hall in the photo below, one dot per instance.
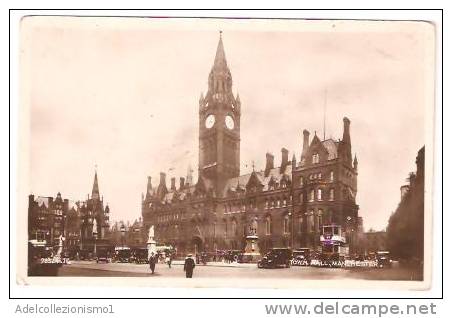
(80, 223)
(289, 201)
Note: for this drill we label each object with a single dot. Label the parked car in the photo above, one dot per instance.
(301, 257)
(383, 259)
(276, 257)
(140, 255)
(124, 255)
(103, 255)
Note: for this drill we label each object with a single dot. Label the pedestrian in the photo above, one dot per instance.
(189, 265)
(152, 262)
(168, 260)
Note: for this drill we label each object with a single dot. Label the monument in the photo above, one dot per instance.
(252, 254)
(151, 243)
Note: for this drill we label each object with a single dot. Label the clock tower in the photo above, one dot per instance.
(219, 126)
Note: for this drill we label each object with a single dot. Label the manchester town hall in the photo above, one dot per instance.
(289, 201)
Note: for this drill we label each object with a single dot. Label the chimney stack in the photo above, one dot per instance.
(346, 135)
(173, 184)
(284, 159)
(162, 178)
(305, 142)
(269, 163)
(182, 183)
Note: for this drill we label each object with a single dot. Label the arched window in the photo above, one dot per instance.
(331, 176)
(234, 227)
(266, 203)
(312, 196)
(320, 219)
(331, 194)
(311, 221)
(286, 224)
(268, 225)
(315, 158)
(319, 194)
(301, 181)
(300, 224)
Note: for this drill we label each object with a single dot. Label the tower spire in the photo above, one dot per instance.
(95, 193)
(220, 57)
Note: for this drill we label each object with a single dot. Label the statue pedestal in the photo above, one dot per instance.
(152, 247)
(251, 254)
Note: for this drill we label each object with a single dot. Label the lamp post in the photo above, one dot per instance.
(95, 242)
(123, 234)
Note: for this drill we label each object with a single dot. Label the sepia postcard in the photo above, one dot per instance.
(241, 153)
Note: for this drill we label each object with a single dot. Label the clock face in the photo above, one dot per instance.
(229, 121)
(210, 121)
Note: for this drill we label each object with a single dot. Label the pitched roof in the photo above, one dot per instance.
(42, 200)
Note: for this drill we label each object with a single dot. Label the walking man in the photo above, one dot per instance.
(189, 265)
(152, 262)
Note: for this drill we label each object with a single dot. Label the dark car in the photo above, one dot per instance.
(383, 259)
(277, 257)
(140, 255)
(301, 257)
(103, 255)
(124, 255)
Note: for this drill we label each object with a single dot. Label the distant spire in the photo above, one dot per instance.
(220, 56)
(95, 193)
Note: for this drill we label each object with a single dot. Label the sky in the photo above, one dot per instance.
(122, 95)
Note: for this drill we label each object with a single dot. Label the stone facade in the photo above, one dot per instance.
(286, 204)
(49, 217)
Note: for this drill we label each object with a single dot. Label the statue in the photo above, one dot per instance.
(94, 226)
(253, 227)
(252, 254)
(151, 243)
(151, 233)
(60, 246)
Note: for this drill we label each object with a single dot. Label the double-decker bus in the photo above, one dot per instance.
(334, 246)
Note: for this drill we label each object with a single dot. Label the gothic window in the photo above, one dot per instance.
(301, 181)
(320, 220)
(234, 227)
(312, 195)
(266, 203)
(331, 176)
(331, 194)
(286, 224)
(311, 221)
(315, 158)
(268, 225)
(319, 194)
(278, 203)
(284, 202)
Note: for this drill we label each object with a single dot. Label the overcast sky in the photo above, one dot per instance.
(123, 95)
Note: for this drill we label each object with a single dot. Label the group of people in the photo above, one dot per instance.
(189, 263)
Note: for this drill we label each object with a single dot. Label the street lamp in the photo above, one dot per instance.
(290, 229)
(95, 241)
(123, 233)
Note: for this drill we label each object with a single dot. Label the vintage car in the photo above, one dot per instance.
(140, 255)
(103, 255)
(124, 255)
(276, 257)
(42, 260)
(301, 257)
(383, 259)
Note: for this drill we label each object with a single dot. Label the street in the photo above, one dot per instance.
(237, 271)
